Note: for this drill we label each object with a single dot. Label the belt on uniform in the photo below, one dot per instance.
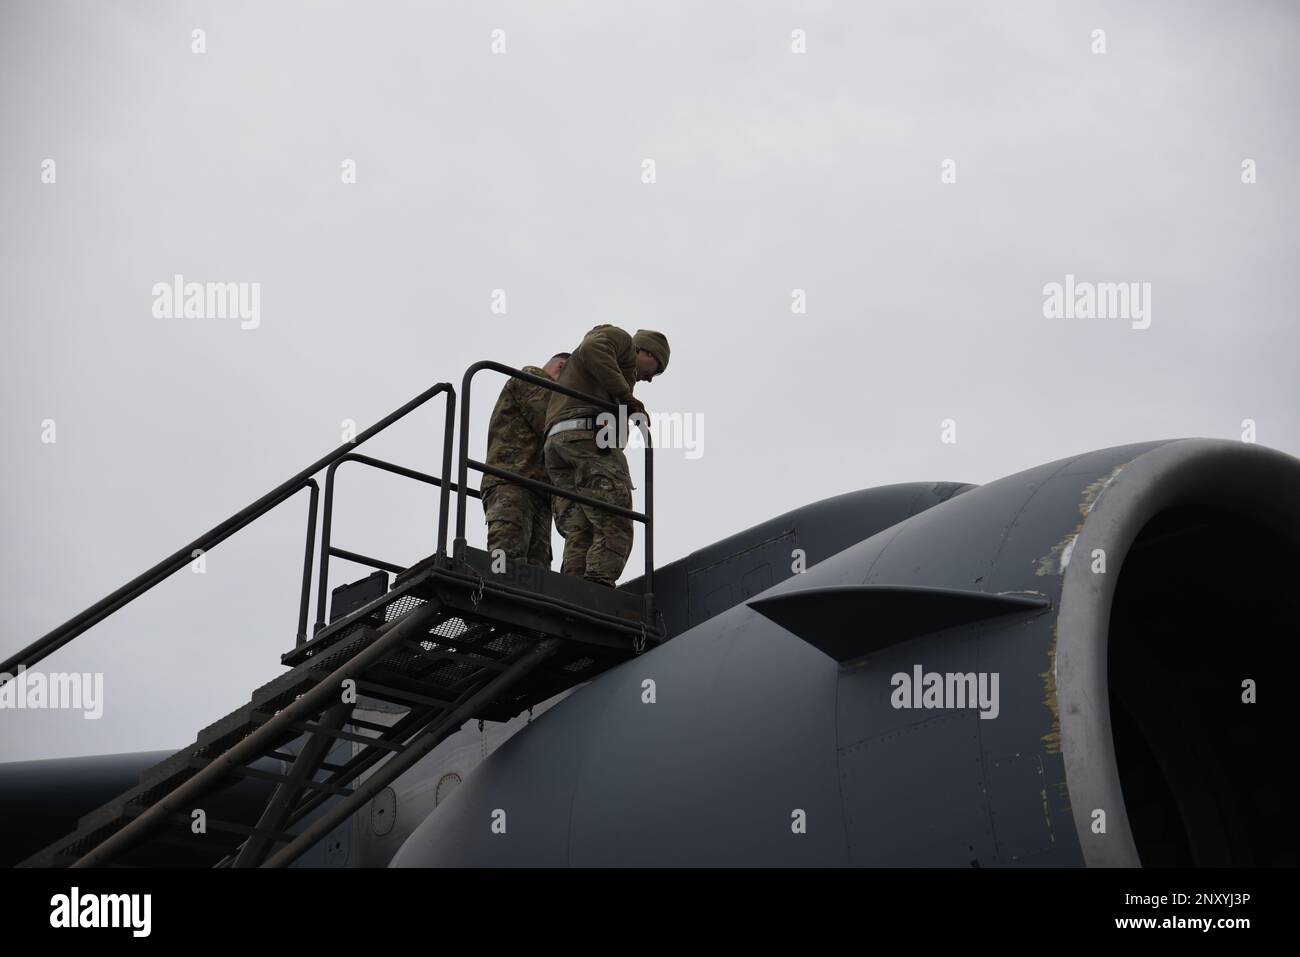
(568, 425)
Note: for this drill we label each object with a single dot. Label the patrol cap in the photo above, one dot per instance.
(655, 343)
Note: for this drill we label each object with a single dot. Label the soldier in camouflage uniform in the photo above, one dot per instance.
(607, 364)
(519, 519)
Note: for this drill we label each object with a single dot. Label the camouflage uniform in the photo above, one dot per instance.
(518, 519)
(596, 543)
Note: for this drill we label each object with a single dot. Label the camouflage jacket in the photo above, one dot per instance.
(515, 432)
(603, 365)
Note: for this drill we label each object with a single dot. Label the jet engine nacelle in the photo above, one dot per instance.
(1068, 666)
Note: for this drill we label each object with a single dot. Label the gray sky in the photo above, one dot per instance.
(775, 171)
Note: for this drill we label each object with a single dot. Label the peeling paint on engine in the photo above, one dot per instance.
(1057, 560)
(1069, 550)
(1051, 740)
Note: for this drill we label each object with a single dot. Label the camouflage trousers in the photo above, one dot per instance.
(519, 523)
(596, 543)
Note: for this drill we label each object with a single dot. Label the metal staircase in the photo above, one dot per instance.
(454, 639)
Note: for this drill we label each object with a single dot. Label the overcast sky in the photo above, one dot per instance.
(523, 171)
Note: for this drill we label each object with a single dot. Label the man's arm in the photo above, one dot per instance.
(532, 401)
(601, 352)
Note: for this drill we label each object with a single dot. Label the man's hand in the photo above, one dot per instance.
(634, 406)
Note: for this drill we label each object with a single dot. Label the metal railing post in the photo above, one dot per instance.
(444, 497)
(462, 474)
(327, 521)
(305, 599)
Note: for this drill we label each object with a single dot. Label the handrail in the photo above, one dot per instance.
(466, 463)
(327, 549)
(137, 586)
(366, 560)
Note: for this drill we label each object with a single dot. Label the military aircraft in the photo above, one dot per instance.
(1069, 666)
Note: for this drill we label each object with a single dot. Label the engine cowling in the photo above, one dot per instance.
(1093, 625)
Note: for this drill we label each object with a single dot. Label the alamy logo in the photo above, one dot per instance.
(1100, 300)
(56, 691)
(103, 910)
(668, 430)
(208, 300)
(947, 690)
